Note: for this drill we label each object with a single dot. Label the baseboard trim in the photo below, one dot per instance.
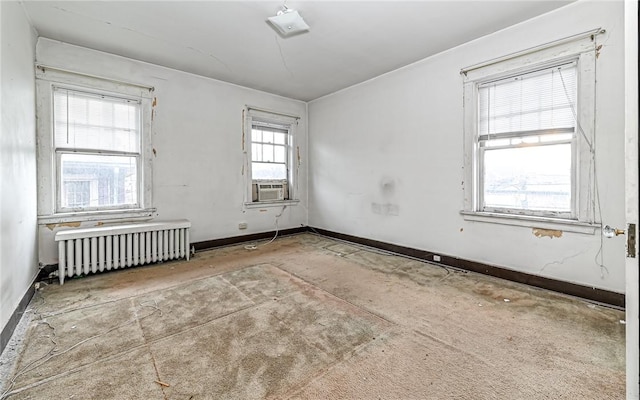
(606, 297)
(10, 327)
(211, 244)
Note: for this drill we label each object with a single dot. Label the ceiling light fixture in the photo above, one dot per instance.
(288, 22)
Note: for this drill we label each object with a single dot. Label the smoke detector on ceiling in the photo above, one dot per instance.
(288, 22)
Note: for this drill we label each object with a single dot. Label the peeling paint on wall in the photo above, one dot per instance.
(66, 224)
(550, 233)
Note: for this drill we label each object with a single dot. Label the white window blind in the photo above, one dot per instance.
(96, 122)
(543, 100)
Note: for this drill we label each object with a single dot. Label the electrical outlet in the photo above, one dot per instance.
(243, 225)
(436, 258)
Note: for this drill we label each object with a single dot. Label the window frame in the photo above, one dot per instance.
(257, 116)
(580, 50)
(50, 208)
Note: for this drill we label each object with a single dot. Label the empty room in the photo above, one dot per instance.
(307, 199)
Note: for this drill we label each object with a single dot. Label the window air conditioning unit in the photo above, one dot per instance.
(271, 191)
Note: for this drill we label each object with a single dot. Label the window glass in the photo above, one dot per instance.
(268, 153)
(97, 142)
(528, 178)
(526, 128)
(94, 180)
(87, 121)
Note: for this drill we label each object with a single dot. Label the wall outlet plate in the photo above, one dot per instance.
(242, 225)
(436, 258)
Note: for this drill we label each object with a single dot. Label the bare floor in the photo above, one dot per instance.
(308, 317)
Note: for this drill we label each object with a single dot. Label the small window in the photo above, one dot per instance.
(271, 173)
(269, 151)
(98, 150)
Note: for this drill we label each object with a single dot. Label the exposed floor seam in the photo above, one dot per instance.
(337, 297)
(53, 314)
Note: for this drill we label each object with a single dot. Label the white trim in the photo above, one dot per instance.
(631, 195)
(568, 40)
(93, 82)
(265, 204)
(269, 113)
(531, 222)
(133, 214)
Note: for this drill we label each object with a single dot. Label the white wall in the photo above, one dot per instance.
(197, 136)
(386, 157)
(18, 236)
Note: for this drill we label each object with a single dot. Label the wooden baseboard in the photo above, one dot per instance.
(210, 244)
(606, 297)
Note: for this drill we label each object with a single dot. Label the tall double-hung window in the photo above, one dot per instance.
(529, 129)
(97, 150)
(93, 147)
(526, 142)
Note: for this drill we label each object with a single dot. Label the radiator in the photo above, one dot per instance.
(91, 250)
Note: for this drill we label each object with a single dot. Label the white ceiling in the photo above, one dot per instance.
(349, 41)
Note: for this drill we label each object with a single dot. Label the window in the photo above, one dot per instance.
(271, 171)
(269, 151)
(93, 147)
(528, 137)
(97, 144)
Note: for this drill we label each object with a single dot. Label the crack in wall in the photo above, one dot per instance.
(155, 38)
(562, 261)
(284, 62)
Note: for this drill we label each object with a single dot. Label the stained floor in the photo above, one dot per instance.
(307, 317)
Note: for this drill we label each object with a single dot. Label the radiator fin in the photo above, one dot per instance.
(92, 250)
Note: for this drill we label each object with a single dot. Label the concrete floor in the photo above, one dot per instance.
(308, 317)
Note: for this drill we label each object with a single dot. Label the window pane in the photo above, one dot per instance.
(267, 153)
(256, 152)
(256, 135)
(540, 100)
(267, 137)
(93, 180)
(280, 154)
(279, 138)
(268, 171)
(90, 121)
(528, 178)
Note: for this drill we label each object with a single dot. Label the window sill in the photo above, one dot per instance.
(129, 215)
(265, 204)
(531, 222)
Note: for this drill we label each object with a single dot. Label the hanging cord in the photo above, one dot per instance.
(599, 257)
(255, 246)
